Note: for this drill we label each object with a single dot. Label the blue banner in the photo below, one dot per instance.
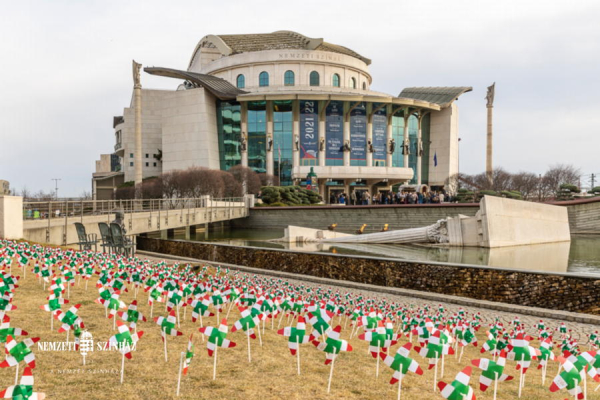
(358, 133)
(334, 130)
(309, 129)
(379, 134)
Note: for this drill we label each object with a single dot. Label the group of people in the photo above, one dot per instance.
(363, 197)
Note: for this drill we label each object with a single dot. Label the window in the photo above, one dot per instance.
(130, 155)
(263, 79)
(288, 78)
(364, 85)
(154, 164)
(336, 80)
(147, 164)
(131, 164)
(353, 83)
(314, 78)
(147, 155)
(241, 81)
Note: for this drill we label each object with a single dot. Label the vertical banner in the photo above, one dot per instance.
(334, 130)
(379, 134)
(358, 133)
(309, 129)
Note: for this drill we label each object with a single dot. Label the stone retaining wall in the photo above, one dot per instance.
(550, 291)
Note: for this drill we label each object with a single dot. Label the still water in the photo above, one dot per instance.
(580, 256)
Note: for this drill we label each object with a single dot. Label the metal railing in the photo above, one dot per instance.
(42, 210)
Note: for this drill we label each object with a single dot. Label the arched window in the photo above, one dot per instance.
(241, 81)
(314, 78)
(288, 78)
(336, 80)
(263, 79)
(353, 83)
(364, 85)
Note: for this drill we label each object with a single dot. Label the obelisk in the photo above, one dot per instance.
(137, 101)
(489, 166)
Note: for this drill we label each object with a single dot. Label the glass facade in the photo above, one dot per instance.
(263, 79)
(229, 133)
(314, 78)
(282, 141)
(413, 133)
(257, 137)
(398, 136)
(289, 78)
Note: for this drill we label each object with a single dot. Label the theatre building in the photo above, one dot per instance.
(282, 103)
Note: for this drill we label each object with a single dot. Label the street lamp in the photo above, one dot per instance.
(56, 186)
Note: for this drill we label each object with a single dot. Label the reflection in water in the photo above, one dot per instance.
(581, 255)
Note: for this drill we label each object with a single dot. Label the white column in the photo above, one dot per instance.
(388, 137)
(406, 138)
(295, 134)
(269, 134)
(244, 127)
(322, 116)
(137, 92)
(11, 217)
(419, 146)
(369, 134)
(346, 133)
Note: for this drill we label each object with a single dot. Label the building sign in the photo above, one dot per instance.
(334, 130)
(379, 134)
(358, 133)
(309, 129)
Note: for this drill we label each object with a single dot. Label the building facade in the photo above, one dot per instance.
(282, 104)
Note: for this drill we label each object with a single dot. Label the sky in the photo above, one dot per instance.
(65, 71)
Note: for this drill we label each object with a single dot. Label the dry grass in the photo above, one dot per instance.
(272, 373)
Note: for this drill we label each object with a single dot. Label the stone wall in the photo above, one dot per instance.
(545, 290)
(350, 218)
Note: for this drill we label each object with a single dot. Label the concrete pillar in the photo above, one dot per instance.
(489, 166)
(244, 127)
(295, 134)
(369, 134)
(388, 137)
(164, 234)
(405, 137)
(322, 139)
(137, 93)
(187, 233)
(419, 147)
(270, 166)
(11, 217)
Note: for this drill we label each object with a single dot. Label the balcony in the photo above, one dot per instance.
(119, 149)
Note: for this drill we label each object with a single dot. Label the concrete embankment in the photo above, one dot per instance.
(553, 291)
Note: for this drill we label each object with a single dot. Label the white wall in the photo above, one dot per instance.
(444, 142)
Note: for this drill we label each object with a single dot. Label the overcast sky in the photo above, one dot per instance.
(65, 71)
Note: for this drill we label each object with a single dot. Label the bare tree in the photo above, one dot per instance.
(528, 184)
(246, 176)
(557, 175)
(232, 188)
(85, 195)
(25, 193)
(268, 180)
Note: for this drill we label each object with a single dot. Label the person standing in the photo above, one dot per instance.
(353, 198)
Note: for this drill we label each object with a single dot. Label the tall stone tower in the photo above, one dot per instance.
(489, 165)
(137, 96)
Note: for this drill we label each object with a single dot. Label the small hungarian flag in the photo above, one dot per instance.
(19, 351)
(401, 363)
(569, 378)
(246, 322)
(22, 391)
(124, 341)
(6, 330)
(132, 315)
(167, 325)
(217, 337)
(69, 319)
(333, 345)
(189, 354)
(491, 371)
(296, 335)
(200, 307)
(459, 389)
(54, 303)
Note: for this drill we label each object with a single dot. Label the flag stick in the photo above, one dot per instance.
(435, 371)
(259, 335)
(178, 324)
(86, 282)
(280, 319)
(377, 367)
(17, 374)
(495, 384)
(122, 367)
(179, 377)
(298, 353)
(272, 323)
(215, 362)
(51, 321)
(184, 311)
(521, 382)
(544, 368)
(595, 390)
(248, 335)
(331, 371)
(400, 385)
(165, 343)
(229, 309)
(584, 386)
(442, 371)
(151, 309)
(462, 349)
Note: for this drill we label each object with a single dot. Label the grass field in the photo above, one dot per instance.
(271, 374)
